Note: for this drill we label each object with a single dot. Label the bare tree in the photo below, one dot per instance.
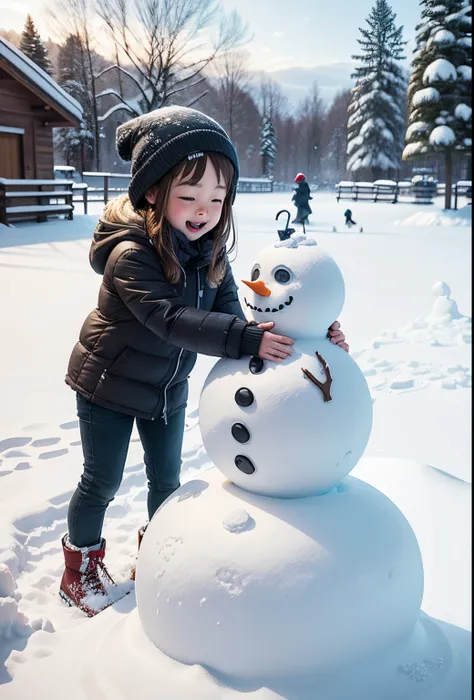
(334, 138)
(75, 18)
(168, 44)
(311, 122)
(231, 81)
(272, 102)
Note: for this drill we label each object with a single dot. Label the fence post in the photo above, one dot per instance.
(85, 198)
(106, 188)
(456, 195)
(3, 206)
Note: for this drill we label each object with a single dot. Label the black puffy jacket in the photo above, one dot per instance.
(137, 348)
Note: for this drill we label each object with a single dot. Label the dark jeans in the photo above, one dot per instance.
(105, 436)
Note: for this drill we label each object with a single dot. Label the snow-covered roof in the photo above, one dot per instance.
(39, 82)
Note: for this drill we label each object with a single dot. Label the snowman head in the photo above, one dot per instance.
(296, 284)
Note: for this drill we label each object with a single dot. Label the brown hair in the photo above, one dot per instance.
(158, 228)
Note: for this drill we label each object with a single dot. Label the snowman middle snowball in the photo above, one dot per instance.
(266, 426)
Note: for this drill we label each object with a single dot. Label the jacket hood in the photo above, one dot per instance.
(120, 222)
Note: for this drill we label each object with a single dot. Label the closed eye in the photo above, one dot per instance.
(187, 199)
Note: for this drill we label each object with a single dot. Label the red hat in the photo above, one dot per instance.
(300, 177)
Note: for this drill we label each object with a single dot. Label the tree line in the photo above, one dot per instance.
(188, 52)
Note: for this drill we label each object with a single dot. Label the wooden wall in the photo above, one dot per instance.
(17, 107)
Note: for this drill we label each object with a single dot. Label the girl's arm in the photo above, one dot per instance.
(143, 288)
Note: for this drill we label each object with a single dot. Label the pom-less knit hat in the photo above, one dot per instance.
(299, 178)
(157, 141)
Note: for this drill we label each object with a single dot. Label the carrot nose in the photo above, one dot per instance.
(258, 287)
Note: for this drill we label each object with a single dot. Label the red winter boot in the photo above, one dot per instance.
(141, 532)
(86, 583)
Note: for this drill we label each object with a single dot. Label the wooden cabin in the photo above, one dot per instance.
(31, 104)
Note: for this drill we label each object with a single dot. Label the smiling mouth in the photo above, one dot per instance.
(268, 309)
(195, 227)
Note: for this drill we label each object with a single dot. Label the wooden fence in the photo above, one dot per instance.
(418, 192)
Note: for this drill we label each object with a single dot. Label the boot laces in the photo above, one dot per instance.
(97, 575)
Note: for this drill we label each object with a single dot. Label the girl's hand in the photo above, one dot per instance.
(337, 336)
(274, 347)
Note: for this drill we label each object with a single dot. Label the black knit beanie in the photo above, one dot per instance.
(157, 141)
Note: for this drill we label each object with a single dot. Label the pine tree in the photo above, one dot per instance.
(377, 108)
(32, 46)
(76, 143)
(439, 92)
(268, 147)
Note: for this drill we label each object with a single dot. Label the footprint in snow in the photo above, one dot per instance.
(53, 454)
(16, 453)
(21, 466)
(45, 442)
(9, 443)
(69, 426)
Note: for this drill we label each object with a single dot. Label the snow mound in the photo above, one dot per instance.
(12, 622)
(341, 593)
(295, 241)
(459, 217)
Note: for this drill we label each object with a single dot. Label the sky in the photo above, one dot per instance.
(285, 35)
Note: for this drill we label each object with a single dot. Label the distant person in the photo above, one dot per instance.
(301, 199)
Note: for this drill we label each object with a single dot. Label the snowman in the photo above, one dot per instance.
(276, 569)
(297, 427)
(276, 564)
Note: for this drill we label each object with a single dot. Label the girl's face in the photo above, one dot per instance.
(196, 209)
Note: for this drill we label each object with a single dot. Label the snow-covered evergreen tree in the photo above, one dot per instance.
(268, 147)
(32, 46)
(76, 143)
(376, 124)
(439, 93)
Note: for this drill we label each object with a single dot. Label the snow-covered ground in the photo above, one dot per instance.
(418, 368)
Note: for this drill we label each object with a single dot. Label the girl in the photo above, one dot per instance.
(167, 293)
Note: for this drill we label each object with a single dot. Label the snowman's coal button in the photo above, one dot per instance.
(256, 364)
(244, 397)
(244, 464)
(240, 433)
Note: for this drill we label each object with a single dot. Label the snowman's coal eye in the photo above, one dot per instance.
(282, 276)
(255, 274)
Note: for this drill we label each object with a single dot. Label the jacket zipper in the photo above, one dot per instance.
(164, 415)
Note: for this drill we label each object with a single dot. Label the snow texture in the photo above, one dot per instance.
(465, 72)
(305, 577)
(463, 112)
(416, 128)
(442, 136)
(441, 69)
(425, 423)
(429, 94)
(295, 242)
(239, 520)
(444, 37)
